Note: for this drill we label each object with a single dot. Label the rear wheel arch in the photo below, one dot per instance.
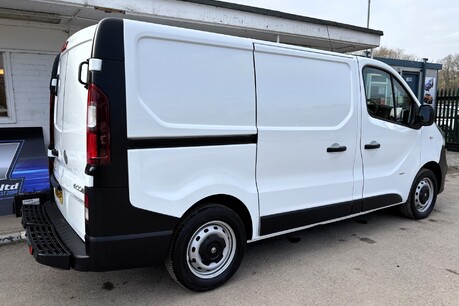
(207, 246)
(232, 203)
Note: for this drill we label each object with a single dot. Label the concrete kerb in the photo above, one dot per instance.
(452, 159)
(13, 237)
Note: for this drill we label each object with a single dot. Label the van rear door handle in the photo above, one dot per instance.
(80, 69)
(373, 145)
(336, 148)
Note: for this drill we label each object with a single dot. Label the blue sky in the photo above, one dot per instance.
(425, 28)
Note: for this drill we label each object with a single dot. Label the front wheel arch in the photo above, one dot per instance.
(423, 195)
(436, 169)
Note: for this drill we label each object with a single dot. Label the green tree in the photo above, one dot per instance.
(448, 77)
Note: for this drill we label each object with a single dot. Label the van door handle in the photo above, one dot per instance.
(373, 145)
(336, 148)
(80, 69)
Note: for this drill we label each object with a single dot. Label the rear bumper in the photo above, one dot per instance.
(53, 242)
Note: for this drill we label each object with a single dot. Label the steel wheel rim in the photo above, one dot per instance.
(424, 194)
(196, 262)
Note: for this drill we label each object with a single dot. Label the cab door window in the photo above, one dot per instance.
(403, 104)
(386, 98)
(379, 94)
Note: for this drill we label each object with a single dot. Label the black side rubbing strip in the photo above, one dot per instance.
(294, 219)
(289, 220)
(155, 143)
(380, 201)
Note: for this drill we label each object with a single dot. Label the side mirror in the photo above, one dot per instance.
(426, 115)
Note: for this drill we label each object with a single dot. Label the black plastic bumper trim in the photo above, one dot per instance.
(444, 169)
(56, 244)
(128, 251)
(79, 257)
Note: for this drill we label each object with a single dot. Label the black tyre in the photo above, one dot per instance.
(423, 196)
(207, 248)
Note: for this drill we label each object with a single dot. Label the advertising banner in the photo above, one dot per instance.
(23, 164)
(430, 92)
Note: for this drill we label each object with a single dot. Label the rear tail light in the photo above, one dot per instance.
(64, 46)
(98, 127)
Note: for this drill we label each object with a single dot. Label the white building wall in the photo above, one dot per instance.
(30, 79)
(31, 50)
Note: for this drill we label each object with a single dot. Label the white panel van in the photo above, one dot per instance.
(181, 146)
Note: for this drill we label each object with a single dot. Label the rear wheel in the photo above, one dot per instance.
(207, 248)
(423, 196)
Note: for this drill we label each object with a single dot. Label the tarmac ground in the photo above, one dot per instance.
(380, 258)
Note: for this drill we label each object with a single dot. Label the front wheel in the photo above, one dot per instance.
(207, 248)
(423, 196)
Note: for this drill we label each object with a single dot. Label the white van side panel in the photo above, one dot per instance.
(180, 85)
(431, 144)
(169, 180)
(306, 103)
(187, 83)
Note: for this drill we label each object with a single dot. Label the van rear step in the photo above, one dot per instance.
(52, 241)
(46, 247)
(34, 215)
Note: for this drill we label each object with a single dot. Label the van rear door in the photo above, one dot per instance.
(70, 130)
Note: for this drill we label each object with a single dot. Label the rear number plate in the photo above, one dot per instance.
(59, 195)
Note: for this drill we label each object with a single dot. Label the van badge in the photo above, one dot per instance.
(66, 160)
(79, 188)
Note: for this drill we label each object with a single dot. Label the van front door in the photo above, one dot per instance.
(390, 144)
(308, 161)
